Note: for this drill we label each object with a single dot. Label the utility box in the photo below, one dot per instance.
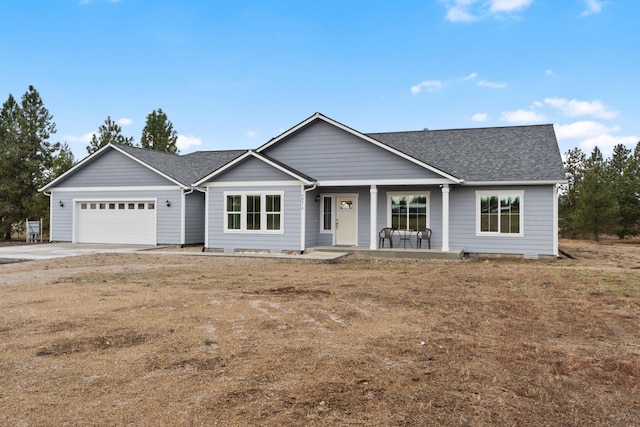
(34, 231)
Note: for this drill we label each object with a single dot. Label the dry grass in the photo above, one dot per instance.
(149, 339)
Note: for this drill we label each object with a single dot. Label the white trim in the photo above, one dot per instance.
(411, 192)
(382, 182)
(484, 183)
(121, 188)
(243, 211)
(255, 155)
(151, 168)
(116, 199)
(373, 221)
(499, 193)
(252, 184)
(99, 153)
(318, 116)
(445, 217)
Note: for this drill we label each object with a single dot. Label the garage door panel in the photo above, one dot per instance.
(130, 222)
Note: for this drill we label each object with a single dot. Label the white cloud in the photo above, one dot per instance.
(593, 7)
(251, 133)
(428, 85)
(606, 142)
(575, 108)
(509, 5)
(479, 117)
(85, 138)
(124, 121)
(522, 117)
(588, 134)
(470, 77)
(184, 142)
(548, 73)
(582, 129)
(473, 10)
(492, 85)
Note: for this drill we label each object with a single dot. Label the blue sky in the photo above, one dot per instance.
(233, 74)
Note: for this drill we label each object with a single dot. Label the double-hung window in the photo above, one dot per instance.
(326, 211)
(253, 212)
(409, 211)
(499, 213)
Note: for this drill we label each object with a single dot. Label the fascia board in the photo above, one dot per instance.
(318, 116)
(82, 163)
(253, 154)
(151, 168)
(485, 183)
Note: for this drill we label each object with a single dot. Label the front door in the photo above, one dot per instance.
(346, 221)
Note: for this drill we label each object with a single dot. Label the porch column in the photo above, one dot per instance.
(445, 218)
(373, 215)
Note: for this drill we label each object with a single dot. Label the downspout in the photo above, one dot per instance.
(303, 222)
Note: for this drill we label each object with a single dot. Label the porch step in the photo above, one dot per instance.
(452, 254)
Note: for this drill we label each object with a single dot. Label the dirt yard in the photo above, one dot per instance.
(152, 339)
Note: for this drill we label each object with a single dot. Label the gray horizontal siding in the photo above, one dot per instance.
(194, 218)
(113, 169)
(325, 152)
(251, 170)
(538, 224)
(230, 242)
(168, 218)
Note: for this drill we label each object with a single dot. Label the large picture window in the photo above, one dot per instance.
(253, 212)
(499, 213)
(409, 211)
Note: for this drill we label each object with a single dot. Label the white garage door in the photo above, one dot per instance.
(117, 221)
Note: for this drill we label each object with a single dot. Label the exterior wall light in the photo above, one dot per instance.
(61, 204)
(168, 203)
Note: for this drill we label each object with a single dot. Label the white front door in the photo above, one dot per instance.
(346, 221)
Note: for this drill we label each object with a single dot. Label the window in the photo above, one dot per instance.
(151, 206)
(327, 214)
(234, 209)
(409, 211)
(120, 205)
(102, 205)
(253, 212)
(83, 206)
(140, 205)
(92, 206)
(131, 205)
(273, 210)
(112, 205)
(499, 213)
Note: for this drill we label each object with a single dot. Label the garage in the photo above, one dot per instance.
(116, 221)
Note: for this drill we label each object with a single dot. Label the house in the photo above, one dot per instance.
(321, 183)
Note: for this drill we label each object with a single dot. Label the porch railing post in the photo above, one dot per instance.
(373, 241)
(445, 218)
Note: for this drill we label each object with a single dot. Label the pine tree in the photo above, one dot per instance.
(574, 165)
(27, 154)
(621, 179)
(108, 132)
(596, 207)
(158, 133)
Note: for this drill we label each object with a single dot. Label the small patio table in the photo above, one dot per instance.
(405, 236)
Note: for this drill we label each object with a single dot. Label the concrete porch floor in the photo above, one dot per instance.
(408, 253)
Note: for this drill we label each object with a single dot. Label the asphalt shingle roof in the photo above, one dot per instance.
(187, 168)
(514, 153)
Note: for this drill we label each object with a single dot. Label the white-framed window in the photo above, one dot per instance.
(254, 212)
(408, 211)
(499, 213)
(327, 213)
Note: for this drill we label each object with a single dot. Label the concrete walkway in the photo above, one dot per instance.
(61, 250)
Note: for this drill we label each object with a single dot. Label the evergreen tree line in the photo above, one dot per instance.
(602, 196)
(29, 159)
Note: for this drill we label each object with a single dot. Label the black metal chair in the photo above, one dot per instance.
(385, 234)
(423, 234)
